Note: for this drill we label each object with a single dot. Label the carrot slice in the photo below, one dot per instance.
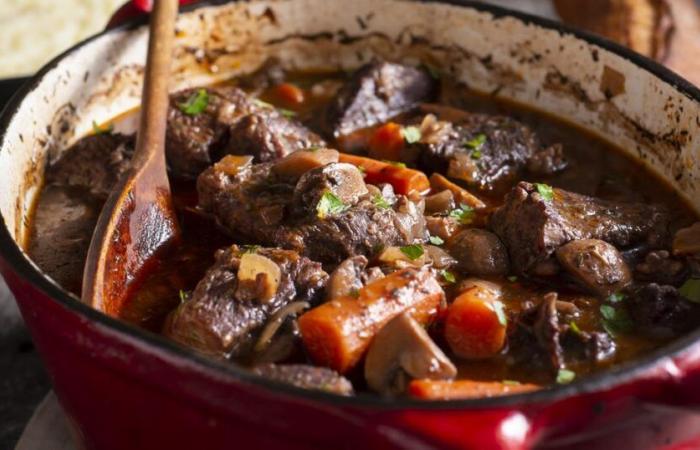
(462, 196)
(337, 333)
(475, 323)
(387, 142)
(289, 93)
(404, 180)
(464, 389)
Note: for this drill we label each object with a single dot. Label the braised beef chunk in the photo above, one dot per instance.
(595, 265)
(375, 93)
(259, 205)
(230, 122)
(548, 331)
(94, 164)
(268, 136)
(222, 319)
(534, 225)
(481, 150)
(661, 311)
(306, 377)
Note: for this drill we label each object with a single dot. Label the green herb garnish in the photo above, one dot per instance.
(433, 71)
(413, 252)
(250, 248)
(565, 376)
(476, 143)
(464, 214)
(574, 327)
(476, 154)
(616, 297)
(183, 296)
(263, 104)
(196, 104)
(355, 293)
(380, 202)
(691, 290)
(395, 163)
(615, 320)
(436, 240)
(448, 276)
(511, 382)
(545, 191)
(499, 309)
(512, 278)
(288, 113)
(329, 205)
(411, 134)
(97, 129)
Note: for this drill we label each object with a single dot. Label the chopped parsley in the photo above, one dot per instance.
(464, 214)
(183, 296)
(615, 320)
(691, 290)
(448, 276)
(380, 202)
(545, 191)
(196, 104)
(355, 293)
(476, 154)
(395, 163)
(511, 382)
(565, 376)
(288, 113)
(413, 252)
(411, 134)
(616, 297)
(250, 248)
(97, 129)
(263, 104)
(499, 309)
(512, 278)
(436, 240)
(329, 205)
(476, 143)
(432, 70)
(574, 328)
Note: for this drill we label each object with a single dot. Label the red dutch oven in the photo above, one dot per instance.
(124, 388)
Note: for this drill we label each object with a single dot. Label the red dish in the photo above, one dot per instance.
(122, 387)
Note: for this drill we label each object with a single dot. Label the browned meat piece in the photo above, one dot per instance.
(231, 123)
(596, 265)
(375, 93)
(481, 150)
(255, 203)
(94, 164)
(479, 252)
(660, 267)
(660, 311)
(533, 227)
(192, 138)
(268, 136)
(220, 318)
(306, 377)
(547, 330)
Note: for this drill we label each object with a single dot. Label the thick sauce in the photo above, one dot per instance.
(64, 220)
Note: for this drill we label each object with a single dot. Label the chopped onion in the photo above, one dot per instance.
(232, 164)
(258, 277)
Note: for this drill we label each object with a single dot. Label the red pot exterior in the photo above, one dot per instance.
(122, 393)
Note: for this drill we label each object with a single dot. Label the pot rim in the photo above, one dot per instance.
(22, 266)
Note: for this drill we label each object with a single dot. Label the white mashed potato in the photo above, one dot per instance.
(34, 31)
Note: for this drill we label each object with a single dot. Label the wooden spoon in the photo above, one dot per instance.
(138, 221)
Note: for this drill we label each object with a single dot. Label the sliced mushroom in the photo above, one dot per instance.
(687, 241)
(298, 163)
(461, 195)
(258, 278)
(596, 265)
(402, 351)
(346, 279)
(479, 252)
(442, 202)
(232, 164)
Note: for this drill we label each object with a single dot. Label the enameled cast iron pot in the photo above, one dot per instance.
(123, 388)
